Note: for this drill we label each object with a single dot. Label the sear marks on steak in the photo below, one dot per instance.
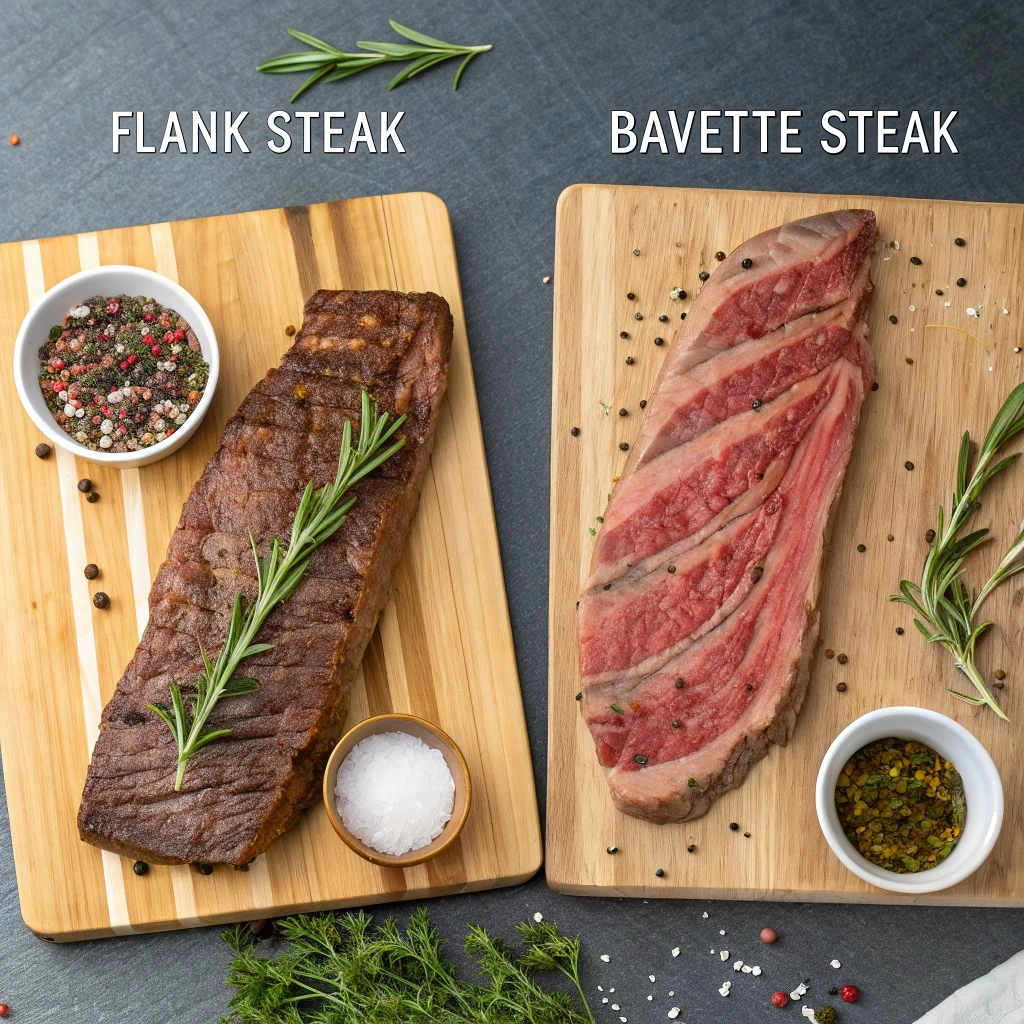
(697, 623)
(243, 791)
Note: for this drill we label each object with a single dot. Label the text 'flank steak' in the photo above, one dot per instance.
(241, 792)
(698, 620)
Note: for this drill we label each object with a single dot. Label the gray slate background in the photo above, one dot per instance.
(531, 118)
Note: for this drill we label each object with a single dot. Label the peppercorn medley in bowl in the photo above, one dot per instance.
(909, 800)
(117, 365)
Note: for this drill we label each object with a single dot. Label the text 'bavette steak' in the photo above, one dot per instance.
(242, 791)
(697, 622)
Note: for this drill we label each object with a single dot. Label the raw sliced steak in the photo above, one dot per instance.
(698, 620)
(241, 792)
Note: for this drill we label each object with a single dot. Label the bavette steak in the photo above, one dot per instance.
(242, 791)
(697, 623)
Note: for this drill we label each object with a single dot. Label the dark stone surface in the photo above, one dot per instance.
(531, 118)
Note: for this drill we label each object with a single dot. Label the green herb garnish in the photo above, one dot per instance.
(946, 607)
(330, 65)
(339, 969)
(319, 515)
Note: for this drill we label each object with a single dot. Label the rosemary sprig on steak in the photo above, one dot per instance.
(319, 515)
(946, 609)
(340, 969)
(330, 65)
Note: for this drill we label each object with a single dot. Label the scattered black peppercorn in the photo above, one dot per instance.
(675, 723)
(829, 653)
(100, 599)
(929, 536)
(623, 412)
(998, 685)
(893, 320)
(746, 835)
(890, 538)
(623, 447)
(833, 991)
(750, 686)
(659, 341)
(756, 404)
(579, 696)
(643, 403)
(842, 659)
(841, 687)
(899, 631)
(607, 586)
(671, 568)
(140, 867)
(204, 869)
(43, 450)
(747, 263)
(630, 360)
(91, 571)
(757, 572)
(733, 826)
(680, 683)
(630, 296)
(92, 497)
(861, 548)
(636, 252)
(703, 275)
(640, 758)
(959, 241)
(938, 291)
(660, 872)
(663, 319)
(916, 260)
(961, 282)
(908, 466)
(874, 386)
(575, 431)
(719, 255)
(999, 674)
(623, 334)
(85, 485)
(682, 293)
(639, 316)
(613, 849)
(682, 316)
(691, 848)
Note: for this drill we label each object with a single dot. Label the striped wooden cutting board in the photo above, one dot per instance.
(443, 647)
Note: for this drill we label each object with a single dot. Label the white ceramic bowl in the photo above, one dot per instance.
(54, 305)
(983, 792)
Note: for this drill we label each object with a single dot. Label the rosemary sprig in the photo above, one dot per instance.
(330, 65)
(946, 609)
(319, 515)
(339, 969)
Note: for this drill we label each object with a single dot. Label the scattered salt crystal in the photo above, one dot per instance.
(675, 951)
(615, 1006)
(605, 957)
(947, 303)
(623, 1019)
(1006, 311)
(724, 954)
(538, 917)
(722, 932)
(600, 988)
(605, 1000)
(747, 969)
(676, 293)
(737, 965)
(835, 963)
(724, 990)
(671, 993)
(894, 245)
(611, 990)
(673, 1013)
(705, 914)
(79, 311)
(755, 971)
(971, 311)
(394, 792)
(650, 999)
(652, 977)
(799, 991)
(912, 308)
(808, 1012)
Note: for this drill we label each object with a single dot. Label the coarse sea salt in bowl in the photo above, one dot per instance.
(109, 281)
(983, 795)
(406, 785)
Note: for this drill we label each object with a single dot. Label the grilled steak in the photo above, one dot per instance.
(697, 623)
(241, 792)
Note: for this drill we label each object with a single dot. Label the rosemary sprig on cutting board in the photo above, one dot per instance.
(947, 612)
(319, 515)
(330, 65)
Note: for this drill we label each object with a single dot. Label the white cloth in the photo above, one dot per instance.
(996, 998)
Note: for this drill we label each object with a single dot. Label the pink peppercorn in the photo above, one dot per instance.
(133, 359)
(58, 364)
(769, 935)
(179, 334)
(113, 306)
(148, 317)
(849, 993)
(155, 350)
(123, 364)
(779, 999)
(122, 413)
(97, 420)
(57, 385)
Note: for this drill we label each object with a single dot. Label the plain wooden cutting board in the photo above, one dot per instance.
(933, 383)
(443, 646)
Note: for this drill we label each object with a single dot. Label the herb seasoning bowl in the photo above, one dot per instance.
(983, 793)
(433, 737)
(54, 305)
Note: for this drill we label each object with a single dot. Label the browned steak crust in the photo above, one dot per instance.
(240, 793)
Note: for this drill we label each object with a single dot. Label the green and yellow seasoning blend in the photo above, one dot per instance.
(901, 805)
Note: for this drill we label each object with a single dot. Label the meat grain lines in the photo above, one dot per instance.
(917, 414)
(443, 648)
